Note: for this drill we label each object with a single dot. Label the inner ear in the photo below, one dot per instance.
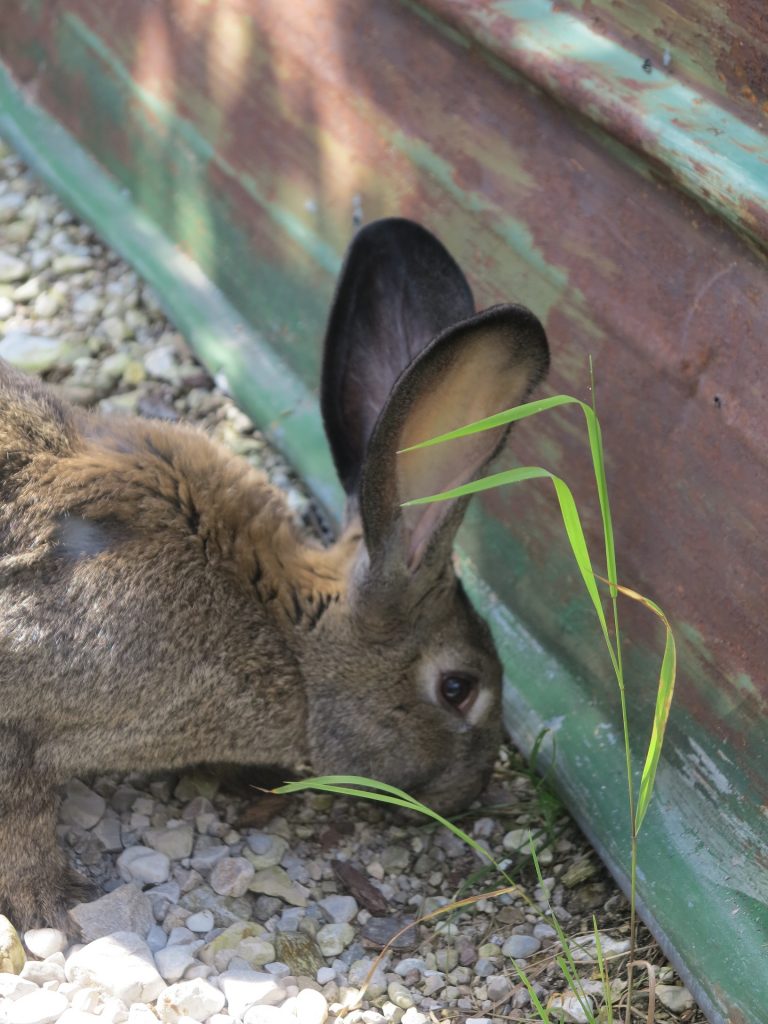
(480, 367)
(399, 288)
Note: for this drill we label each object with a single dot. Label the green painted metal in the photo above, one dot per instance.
(702, 887)
(712, 153)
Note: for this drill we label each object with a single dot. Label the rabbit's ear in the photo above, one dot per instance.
(482, 366)
(399, 288)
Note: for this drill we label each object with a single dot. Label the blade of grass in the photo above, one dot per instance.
(571, 521)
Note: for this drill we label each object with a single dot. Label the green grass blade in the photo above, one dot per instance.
(571, 521)
(370, 789)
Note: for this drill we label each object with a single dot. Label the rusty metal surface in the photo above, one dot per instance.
(250, 132)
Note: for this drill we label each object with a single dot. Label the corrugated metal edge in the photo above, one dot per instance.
(289, 414)
(703, 147)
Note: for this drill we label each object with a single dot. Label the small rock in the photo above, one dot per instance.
(311, 1007)
(70, 263)
(230, 939)
(140, 864)
(300, 952)
(48, 303)
(518, 947)
(380, 931)
(399, 995)
(81, 806)
(108, 831)
(499, 988)
(43, 972)
(256, 952)
(12, 269)
(13, 986)
(39, 1007)
(395, 859)
(571, 1009)
(232, 876)
(175, 843)
(33, 354)
(125, 909)
(268, 1015)
(140, 1013)
(333, 939)
(244, 989)
(675, 997)
(121, 964)
(340, 909)
(264, 850)
(12, 956)
(414, 1016)
(202, 922)
(173, 961)
(197, 999)
(7, 307)
(72, 1016)
(161, 362)
(274, 881)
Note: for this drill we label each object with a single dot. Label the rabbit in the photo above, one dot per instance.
(159, 606)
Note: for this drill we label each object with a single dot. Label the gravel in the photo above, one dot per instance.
(228, 905)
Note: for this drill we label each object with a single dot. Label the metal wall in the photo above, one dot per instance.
(600, 162)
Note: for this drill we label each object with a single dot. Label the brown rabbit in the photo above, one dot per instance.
(158, 606)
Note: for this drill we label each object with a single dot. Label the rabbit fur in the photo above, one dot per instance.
(159, 607)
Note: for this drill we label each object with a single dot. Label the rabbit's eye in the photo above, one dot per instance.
(457, 690)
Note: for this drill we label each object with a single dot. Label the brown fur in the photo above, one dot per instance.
(158, 607)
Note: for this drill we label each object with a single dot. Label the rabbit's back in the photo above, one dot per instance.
(133, 561)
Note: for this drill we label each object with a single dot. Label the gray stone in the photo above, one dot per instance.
(175, 842)
(140, 864)
(125, 909)
(81, 806)
(340, 909)
(274, 881)
(518, 947)
(675, 997)
(31, 352)
(334, 938)
(232, 876)
(173, 961)
(202, 922)
(12, 269)
(264, 850)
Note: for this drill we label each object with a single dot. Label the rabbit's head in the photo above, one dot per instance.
(404, 682)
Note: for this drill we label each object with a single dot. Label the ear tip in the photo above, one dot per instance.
(524, 333)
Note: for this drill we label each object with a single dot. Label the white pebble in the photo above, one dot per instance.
(121, 964)
(13, 986)
(311, 1007)
(72, 1016)
(39, 1007)
(244, 989)
(43, 942)
(197, 999)
(268, 1015)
